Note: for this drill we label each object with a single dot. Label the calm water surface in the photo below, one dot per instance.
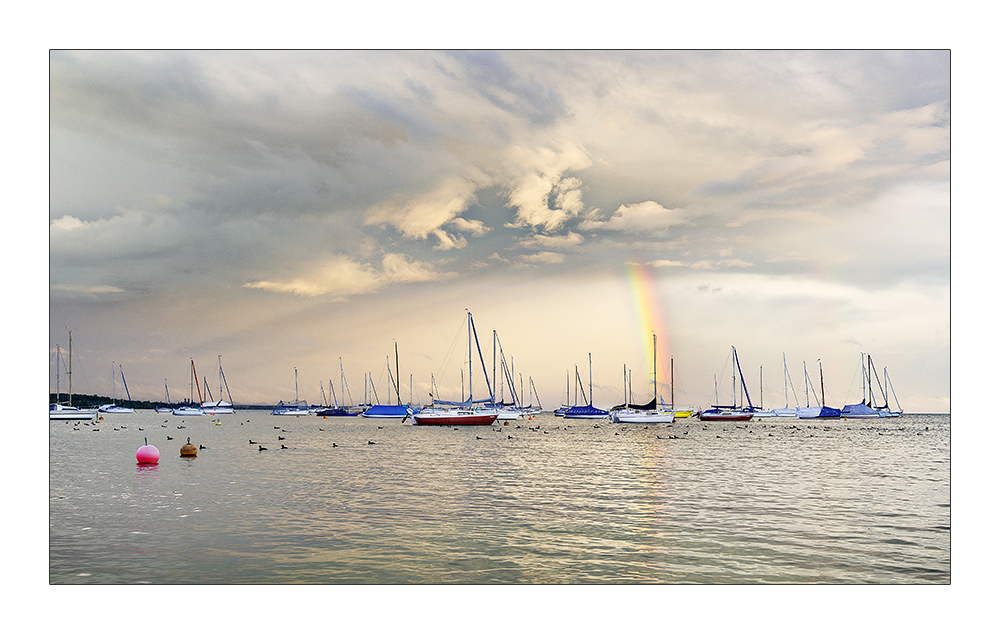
(539, 501)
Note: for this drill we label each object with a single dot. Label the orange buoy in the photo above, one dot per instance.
(189, 449)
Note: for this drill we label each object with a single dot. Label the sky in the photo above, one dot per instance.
(295, 210)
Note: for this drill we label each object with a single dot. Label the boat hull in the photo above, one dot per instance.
(337, 411)
(725, 415)
(71, 413)
(818, 412)
(472, 418)
(188, 411)
(213, 409)
(386, 411)
(643, 417)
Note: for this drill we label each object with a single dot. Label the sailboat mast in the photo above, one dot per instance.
(470, 353)
(57, 373)
(671, 382)
(69, 373)
(590, 362)
(396, 346)
(654, 367)
(194, 375)
(762, 387)
(821, 390)
(784, 377)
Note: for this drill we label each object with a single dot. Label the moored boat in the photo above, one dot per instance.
(786, 411)
(732, 412)
(587, 411)
(725, 414)
(296, 407)
(113, 407)
(863, 409)
(650, 412)
(389, 411)
(456, 416)
(66, 411)
(213, 408)
(189, 409)
(816, 411)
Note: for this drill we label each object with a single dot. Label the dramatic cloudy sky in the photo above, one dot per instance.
(289, 209)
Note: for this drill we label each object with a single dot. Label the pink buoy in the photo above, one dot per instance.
(147, 454)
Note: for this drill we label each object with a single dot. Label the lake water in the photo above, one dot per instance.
(538, 501)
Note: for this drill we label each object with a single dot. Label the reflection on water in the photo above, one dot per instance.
(537, 501)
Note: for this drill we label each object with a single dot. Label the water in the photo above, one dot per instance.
(540, 501)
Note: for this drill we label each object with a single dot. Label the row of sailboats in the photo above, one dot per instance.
(485, 411)
(867, 408)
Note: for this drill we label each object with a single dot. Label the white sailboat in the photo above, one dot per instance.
(168, 408)
(467, 411)
(213, 408)
(787, 411)
(645, 414)
(113, 407)
(295, 408)
(190, 409)
(66, 411)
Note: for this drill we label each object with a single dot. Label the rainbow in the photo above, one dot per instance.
(647, 309)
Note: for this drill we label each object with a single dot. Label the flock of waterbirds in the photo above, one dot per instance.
(721, 430)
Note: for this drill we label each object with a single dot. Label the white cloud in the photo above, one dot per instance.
(423, 214)
(340, 276)
(543, 241)
(645, 217)
(77, 288)
(542, 180)
(667, 263)
(67, 223)
(544, 257)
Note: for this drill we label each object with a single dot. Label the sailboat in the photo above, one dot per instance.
(66, 411)
(296, 407)
(213, 408)
(885, 412)
(561, 410)
(731, 412)
(787, 411)
(168, 408)
(113, 407)
(389, 411)
(864, 408)
(339, 408)
(512, 410)
(679, 412)
(759, 410)
(820, 411)
(648, 413)
(461, 412)
(588, 410)
(190, 409)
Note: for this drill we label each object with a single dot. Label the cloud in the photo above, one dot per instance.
(542, 194)
(423, 214)
(75, 288)
(639, 218)
(543, 241)
(711, 265)
(544, 257)
(667, 263)
(340, 276)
